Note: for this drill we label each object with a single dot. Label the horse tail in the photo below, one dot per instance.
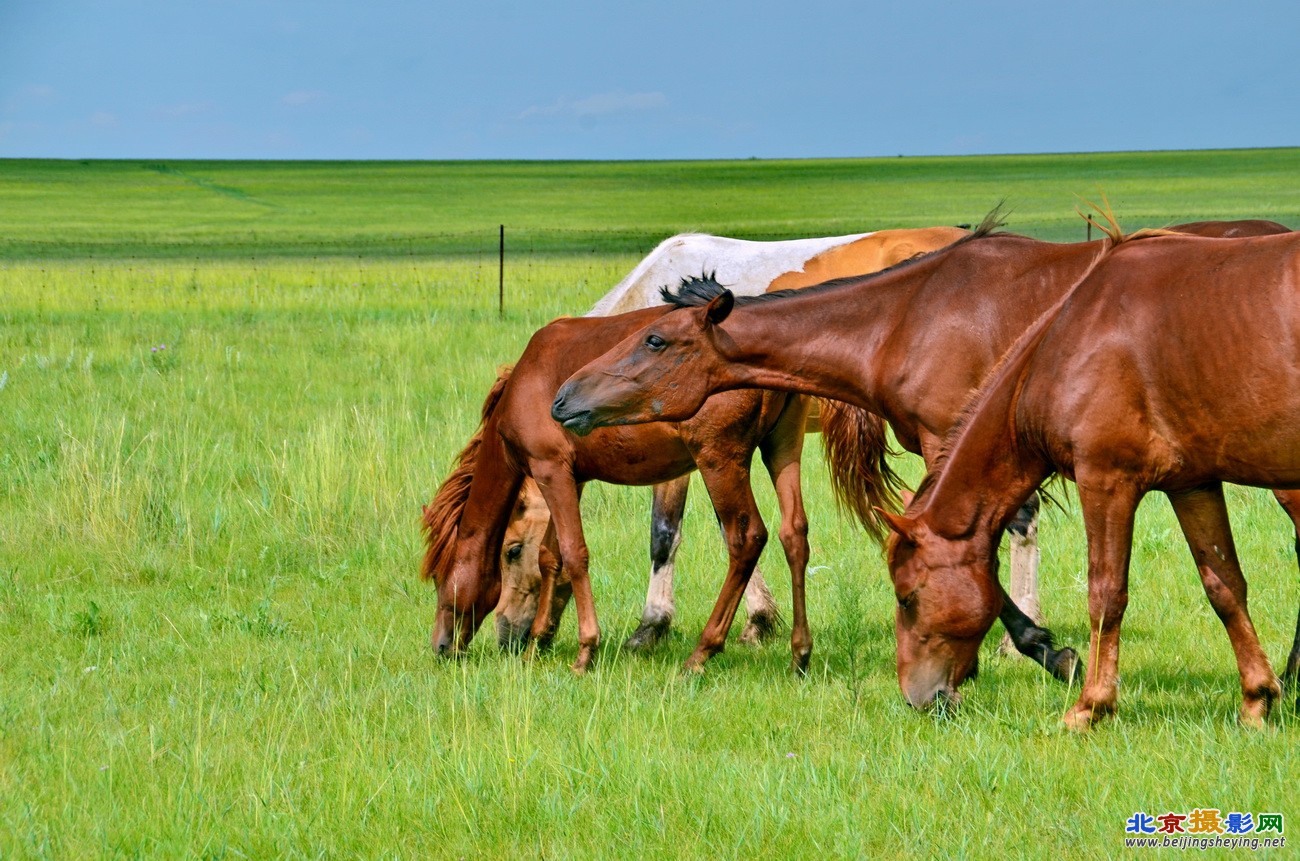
(857, 451)
(441, 520)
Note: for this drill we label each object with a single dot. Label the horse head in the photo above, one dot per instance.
(947, 598)
(522, 560)
(665, 372)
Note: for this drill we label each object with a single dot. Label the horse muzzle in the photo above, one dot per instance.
(573, 418)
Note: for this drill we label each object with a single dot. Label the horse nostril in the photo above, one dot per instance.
(557, 408)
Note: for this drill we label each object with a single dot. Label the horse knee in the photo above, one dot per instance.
(794, 531)
(747, 543)
(1106, 604)
(574, 559)
(664, 538)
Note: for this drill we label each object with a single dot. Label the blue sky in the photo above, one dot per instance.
(434, 80)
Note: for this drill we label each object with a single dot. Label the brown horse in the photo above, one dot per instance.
(909, 343)
(1173, 367)
(747, 268)
(470, 513)
(522, 552)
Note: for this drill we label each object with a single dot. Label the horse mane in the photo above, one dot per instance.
(695, 292)
(1109, 225)
(1008, 370)
(441, 519)
(857, 454)
(1027, 343)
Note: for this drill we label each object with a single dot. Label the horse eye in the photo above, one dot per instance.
(654, 342)
(906, 601)
(513, 552)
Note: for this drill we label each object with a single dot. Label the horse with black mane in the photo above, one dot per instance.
(517, 439)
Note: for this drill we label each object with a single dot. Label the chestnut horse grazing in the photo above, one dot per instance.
(1173, 367)
(909, 344)
(522, 553)
(467, 519)
(747, 268)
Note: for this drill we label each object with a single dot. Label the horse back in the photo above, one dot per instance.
(1178, 357)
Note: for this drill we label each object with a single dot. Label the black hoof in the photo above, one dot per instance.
(760, 629)
(1066, 666)
(647, 636)
(799, 664)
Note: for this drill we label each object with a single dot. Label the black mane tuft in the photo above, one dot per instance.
(694, 291)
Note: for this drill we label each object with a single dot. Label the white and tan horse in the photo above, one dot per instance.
(748, 267)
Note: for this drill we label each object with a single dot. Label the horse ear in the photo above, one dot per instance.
(904, 526)
(718, 309)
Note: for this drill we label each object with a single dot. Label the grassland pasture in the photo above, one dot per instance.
(225, 390)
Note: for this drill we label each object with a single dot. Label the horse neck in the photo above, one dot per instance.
(822, 342)
(493, 492)
(982, 485)
(989, 464)
(836, 341)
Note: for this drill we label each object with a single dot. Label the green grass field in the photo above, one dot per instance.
(214, 641)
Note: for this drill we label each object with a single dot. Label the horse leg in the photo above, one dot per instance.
(1023, 532)
(665, 535)
(1020, 609)
(1204, 519)
(563, 498)
(782, 450)
(1108, 511)
(727, 479)
(554, 591)
(1038, 644)
(760, 608)
(1290, 502)
(1291, 676)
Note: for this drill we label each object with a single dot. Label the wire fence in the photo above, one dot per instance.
(503, 266)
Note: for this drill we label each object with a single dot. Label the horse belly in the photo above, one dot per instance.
(633, 455)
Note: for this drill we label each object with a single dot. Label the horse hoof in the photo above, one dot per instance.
(586, 654)
(1251, 721)
(1078, 719)
(695, 664)
(758, 630)
(799, 665)
(646, 636)
(1254, 710)
(1067, 666)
